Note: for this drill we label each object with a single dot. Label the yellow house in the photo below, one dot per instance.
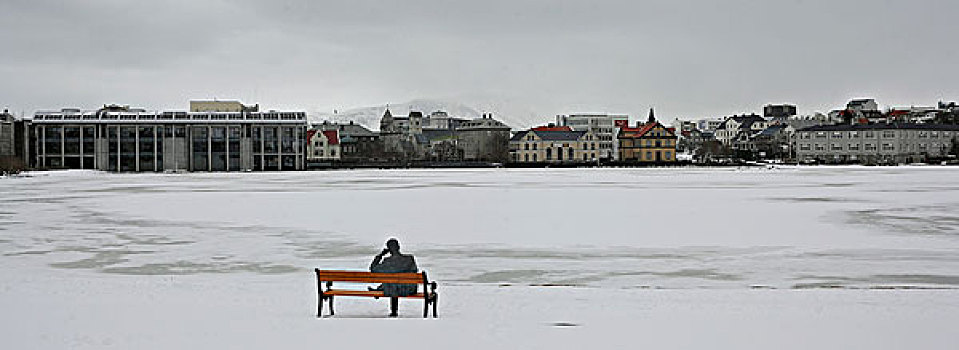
(647, 143)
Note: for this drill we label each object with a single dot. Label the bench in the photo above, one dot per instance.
(330, 276)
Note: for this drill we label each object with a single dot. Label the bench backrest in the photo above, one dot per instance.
(370, 277)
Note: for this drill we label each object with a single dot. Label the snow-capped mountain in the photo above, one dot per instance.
(517, 118)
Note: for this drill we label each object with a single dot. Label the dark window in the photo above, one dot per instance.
(218, 146)
(89, 136)
(128, 148)
(288, 141)
(272, 162)
(53, 142)
(256, 134)
(71, 144)
(113, 148)
(233, 147)
(270, 141)
(146, 148)
(200, 149)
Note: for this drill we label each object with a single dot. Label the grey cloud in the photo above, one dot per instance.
(693, 58)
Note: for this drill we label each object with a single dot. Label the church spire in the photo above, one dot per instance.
(652, 117)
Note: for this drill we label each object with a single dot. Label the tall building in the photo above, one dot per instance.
(7, 130)
(779, 112)
(863, 105)
(484, 139)
(14, 141)
(120, 138)
(602, 126)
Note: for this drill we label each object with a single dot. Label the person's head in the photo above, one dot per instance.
(393, 245)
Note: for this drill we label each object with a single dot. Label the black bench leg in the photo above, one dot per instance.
(436, 298)
(331, 305)
(426, 305)
(319, 306)
(394, 304)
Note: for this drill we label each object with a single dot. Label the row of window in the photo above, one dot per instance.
(321, 153)
(872, 134)
(872, 147)
(647, 143)
(651, 156)
(559, 156)
(585, 145)
(179, 115)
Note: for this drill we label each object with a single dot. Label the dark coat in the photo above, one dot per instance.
(395, 264)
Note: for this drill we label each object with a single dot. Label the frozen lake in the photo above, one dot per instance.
(745, 257)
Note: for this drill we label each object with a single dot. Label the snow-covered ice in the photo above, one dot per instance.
(807, 257)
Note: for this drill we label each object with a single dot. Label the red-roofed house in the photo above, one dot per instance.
(322, 145)
(551, 127)
(647, 143)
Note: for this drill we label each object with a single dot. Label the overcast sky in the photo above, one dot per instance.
(686, 59)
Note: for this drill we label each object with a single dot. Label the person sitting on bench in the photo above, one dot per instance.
(395, 263)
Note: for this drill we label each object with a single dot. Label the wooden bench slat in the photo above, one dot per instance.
(363, 293)
(373, 280)
(370, 277)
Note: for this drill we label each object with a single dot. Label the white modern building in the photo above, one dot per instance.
(119, 138)
(602, 126)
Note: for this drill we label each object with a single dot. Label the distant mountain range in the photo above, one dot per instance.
(516, 117)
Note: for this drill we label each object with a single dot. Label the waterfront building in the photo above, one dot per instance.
(483, 139)
(602, 125)
(554, 146)
(323, 145)
(738, 127)
(651, 142)
(14, 141)
(357, 143)
(875, 143)
(120, 138)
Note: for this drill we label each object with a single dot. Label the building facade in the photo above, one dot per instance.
(647, 143)
(221, 106)
(875, 143)
(779, 112)
(603, 126)
(323, 145)
(484, 139)
(357, 143)
(14, 142)
(116, 138)
(533, 146)
(737, 127)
